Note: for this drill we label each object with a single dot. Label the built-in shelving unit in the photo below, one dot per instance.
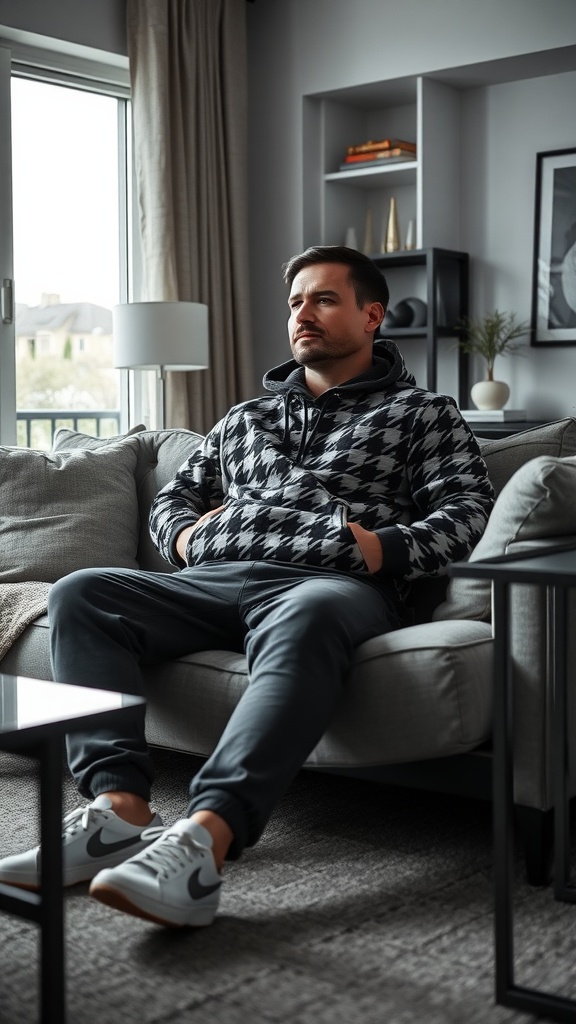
(425, 189)
(419, 110)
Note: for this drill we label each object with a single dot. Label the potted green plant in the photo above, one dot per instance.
(493, 335)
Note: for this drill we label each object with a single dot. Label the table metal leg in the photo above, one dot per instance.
(52, 908)
(563, 889)
(503, 800)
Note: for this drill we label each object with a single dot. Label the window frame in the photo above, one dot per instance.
(73, 67)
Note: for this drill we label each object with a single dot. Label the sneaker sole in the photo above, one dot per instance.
(120, 901)
(76, 876)
(35, 886)
(28, 886)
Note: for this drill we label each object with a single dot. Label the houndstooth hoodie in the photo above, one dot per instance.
(291, 470)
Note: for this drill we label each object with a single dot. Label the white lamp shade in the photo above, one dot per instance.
(169, 335)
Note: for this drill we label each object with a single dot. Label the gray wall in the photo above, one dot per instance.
(503, 126)
(98, 24)
(303, 47)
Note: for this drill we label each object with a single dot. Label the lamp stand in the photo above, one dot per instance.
(161, 398)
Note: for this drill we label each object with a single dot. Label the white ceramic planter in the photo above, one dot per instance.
(490, 394)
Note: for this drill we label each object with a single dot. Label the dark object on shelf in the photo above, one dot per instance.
(410, 313)
(389, 320)
(402, 315)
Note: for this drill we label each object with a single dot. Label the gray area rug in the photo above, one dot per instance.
(362, 904)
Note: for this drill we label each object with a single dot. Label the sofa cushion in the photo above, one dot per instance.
(411, 694)
(538, 503)
(504, 456)
(67, 510)
(160, 455)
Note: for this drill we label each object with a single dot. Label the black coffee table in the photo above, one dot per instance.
(35, 716)
(554, 570)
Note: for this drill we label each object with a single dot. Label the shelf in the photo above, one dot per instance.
(416, 257)
(374, 177)
(420, 332)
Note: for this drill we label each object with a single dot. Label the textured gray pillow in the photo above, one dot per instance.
(65, 511)
(504, 456)
(160, 455)
(539, 502)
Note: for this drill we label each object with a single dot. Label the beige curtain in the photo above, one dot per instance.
(188, 79)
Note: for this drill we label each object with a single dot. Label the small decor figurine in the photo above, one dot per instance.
(411, 235)
(494, 335)
(368, 248)
(391, 240)
(351, 239)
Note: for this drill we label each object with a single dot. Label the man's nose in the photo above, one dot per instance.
(305, 312)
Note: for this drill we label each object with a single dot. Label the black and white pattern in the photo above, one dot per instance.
(292, 471)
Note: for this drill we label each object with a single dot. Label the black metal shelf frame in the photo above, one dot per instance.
(447, 296)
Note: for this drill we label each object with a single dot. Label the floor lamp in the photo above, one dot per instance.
(160, 336)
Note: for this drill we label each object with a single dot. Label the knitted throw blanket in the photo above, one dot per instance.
(20, 604)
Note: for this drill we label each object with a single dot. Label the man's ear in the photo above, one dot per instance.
(376, 313)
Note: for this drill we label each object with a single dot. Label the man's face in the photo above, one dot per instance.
(325, 322)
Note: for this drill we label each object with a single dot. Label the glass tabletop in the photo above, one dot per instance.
(31, 703)
(554, 565)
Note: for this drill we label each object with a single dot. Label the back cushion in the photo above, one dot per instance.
(160, 455)
(67, 510)
(504, 456)
(538, 503)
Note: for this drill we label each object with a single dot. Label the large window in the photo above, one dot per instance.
(70, 205)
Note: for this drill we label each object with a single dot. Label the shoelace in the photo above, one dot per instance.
(171, 855)
(80, 817)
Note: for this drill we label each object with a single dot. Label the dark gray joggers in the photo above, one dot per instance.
(299, 627)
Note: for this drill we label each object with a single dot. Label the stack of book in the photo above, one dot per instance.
(373, 154)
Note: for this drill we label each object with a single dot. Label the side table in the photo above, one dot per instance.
(555, 570)
(493, 430)
(35, 715)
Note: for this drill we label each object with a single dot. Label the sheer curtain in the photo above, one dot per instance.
(188, 78)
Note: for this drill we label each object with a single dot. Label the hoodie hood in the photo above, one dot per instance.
(388, 370)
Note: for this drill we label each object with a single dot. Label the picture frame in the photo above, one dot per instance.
(553, 319)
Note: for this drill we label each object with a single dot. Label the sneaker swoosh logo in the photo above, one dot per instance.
(197, 890)
(96, 848)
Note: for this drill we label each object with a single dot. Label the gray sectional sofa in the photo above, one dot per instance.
(417, 707)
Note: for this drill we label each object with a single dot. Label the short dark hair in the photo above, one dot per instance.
(367, 280)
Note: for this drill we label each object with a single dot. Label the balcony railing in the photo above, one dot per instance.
(102, 423)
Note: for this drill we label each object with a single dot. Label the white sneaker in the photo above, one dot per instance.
(173, 882)
(93, 837)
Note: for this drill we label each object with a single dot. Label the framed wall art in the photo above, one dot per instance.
(554, 271)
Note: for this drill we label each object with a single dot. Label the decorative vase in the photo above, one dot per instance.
(411, 235)
(391, 240)
(368, 235)
(490, 394)
(351, 239)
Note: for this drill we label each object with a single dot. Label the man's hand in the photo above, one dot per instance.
(184, 536)
(369, 545)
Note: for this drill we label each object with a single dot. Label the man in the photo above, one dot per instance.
(297, 526)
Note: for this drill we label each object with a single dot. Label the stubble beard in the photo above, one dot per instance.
(310, 354)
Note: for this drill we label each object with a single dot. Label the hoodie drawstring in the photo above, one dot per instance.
(290, 394)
